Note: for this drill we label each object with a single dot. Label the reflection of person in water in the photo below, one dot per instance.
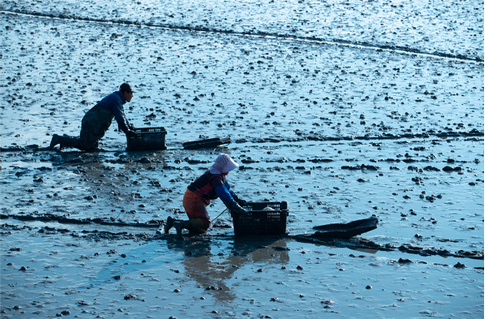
(206, 272)
(211, 185)
(212, 271)
(97, 120)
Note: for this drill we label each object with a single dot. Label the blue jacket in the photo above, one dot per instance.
(114, 103)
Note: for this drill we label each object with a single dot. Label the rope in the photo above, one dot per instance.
(212, 222)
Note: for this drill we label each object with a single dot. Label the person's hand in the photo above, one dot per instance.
(241, 211)
(243, 202)
(131, 133)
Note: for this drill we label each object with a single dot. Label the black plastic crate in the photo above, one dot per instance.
(264, 218)
(147, 139)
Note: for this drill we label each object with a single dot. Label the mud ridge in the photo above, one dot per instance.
(259, 34)
(301, 138)
(87, 221)
(352, 243)
(320, 138)
(361, 243)
(88, 234)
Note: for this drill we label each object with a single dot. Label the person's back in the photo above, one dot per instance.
(205, 185)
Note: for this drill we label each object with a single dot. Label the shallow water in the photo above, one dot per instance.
(329, 110)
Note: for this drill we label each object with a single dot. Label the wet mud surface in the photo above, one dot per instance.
(329, 106)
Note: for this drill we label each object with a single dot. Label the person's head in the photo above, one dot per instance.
(127, 91)
(223, 165)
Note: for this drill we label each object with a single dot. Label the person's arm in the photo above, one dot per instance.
(120, 117)
(114, 103)
(225, 195)
(238, 200)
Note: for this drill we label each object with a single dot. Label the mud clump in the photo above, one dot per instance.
(133, 297)
(450, 169)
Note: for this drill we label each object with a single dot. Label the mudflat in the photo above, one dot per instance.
(344, 110)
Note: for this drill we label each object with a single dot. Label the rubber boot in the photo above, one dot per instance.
(69, 141)
(169, 224)
(56, 139)
(179, 225)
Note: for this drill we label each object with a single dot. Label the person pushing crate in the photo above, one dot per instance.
(211, 185)
(97, 120)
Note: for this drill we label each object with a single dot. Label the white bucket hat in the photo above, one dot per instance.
(223, 164)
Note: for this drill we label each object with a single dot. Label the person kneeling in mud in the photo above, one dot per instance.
(97, 120)
(211, 185)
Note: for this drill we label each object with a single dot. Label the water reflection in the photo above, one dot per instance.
(212, 270)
